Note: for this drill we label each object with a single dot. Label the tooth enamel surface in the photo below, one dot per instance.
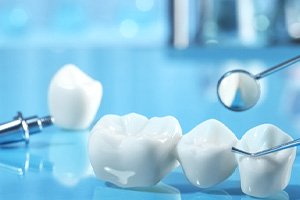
(133, 151)
(269, 174)
(205, 153)
(73, 98)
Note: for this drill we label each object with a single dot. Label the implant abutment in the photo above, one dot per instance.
(20, 129)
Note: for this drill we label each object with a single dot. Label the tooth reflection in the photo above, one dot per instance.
(212, 195)
(160, 191)
(279, 196)
(69, 156)
(20, 162)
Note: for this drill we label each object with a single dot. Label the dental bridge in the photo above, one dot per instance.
(133, 151)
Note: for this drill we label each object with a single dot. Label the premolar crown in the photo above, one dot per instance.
(205, 153)
(73, 98)
(266, 175)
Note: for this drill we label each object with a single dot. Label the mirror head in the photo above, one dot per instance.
(238, 90)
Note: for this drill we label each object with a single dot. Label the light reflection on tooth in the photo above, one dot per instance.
(123, 176)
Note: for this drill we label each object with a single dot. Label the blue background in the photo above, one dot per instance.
(149, 81)
(127, 46)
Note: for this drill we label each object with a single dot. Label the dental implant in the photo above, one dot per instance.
(20, 129)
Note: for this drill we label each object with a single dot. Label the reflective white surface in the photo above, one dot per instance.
(238, 90)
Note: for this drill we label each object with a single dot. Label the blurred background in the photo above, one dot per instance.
(145, 23)
(153, 57)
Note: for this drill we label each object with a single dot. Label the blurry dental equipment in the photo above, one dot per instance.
(239, 90)
(20, 129)
(274, 149)
(233, 23)
(180, 23)
(292, 19)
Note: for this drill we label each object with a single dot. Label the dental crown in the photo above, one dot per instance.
(73, 98)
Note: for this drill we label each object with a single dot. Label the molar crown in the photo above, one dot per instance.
(133, 151)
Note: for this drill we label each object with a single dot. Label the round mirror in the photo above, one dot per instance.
(238, 90)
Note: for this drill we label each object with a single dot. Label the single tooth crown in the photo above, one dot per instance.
(73, 98)
(266, 175)
(205, 153)
(133, 151)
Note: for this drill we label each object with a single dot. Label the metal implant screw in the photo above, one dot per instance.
(20, 129)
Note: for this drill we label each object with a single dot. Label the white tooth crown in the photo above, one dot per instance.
(133, 151)
(73, 98)
(266, 175)
(205, 153)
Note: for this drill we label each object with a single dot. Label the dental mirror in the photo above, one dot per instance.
(239, 90)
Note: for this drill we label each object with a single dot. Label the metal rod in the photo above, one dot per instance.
(268, 151)
(278, 67)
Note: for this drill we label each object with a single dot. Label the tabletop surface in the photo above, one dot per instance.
(152, 82)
